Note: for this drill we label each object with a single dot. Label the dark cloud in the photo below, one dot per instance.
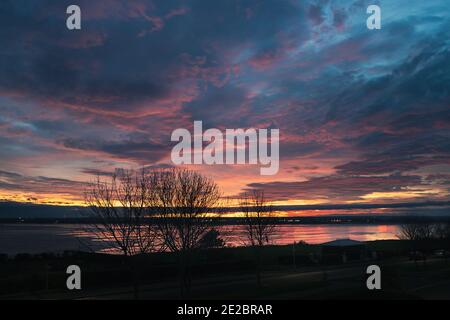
(315, 14)
(335, 187)
(97, 172)
(129, 66)
(339, 17)
(220, 107)
(37, 184)
(140, 151)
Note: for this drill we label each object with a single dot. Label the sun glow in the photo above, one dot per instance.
(408, 194)
(42, 198)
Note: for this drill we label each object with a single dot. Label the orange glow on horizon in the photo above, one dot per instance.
(42, 198)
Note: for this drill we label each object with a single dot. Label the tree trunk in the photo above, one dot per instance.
(135, 276)
(182, 273)
(258, 266)
(187, 272)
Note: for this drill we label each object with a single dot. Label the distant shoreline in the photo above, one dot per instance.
(329, 219)
(430, 212)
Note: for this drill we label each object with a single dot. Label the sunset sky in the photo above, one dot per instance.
(364, 115)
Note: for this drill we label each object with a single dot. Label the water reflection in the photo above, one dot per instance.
(37, 238)
(314, 234)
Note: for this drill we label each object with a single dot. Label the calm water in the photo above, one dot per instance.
(38, 238)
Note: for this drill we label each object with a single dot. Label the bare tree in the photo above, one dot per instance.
(443, 231)
(212, 239)
(117, 212)
(416, 231)
(409, 232)
(184, 200)
(259, 228)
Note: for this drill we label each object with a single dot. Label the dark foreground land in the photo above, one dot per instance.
(228, 273)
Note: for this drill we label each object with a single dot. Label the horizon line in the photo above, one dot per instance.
(283, 207)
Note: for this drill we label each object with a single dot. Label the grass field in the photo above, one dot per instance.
(228, 273)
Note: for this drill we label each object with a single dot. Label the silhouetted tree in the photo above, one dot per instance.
(443, 231)
(259, 227)
(416, 231)
(211, 239)
(117, 211)
(184, 200)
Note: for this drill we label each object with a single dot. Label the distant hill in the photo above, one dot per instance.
(9, 209)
